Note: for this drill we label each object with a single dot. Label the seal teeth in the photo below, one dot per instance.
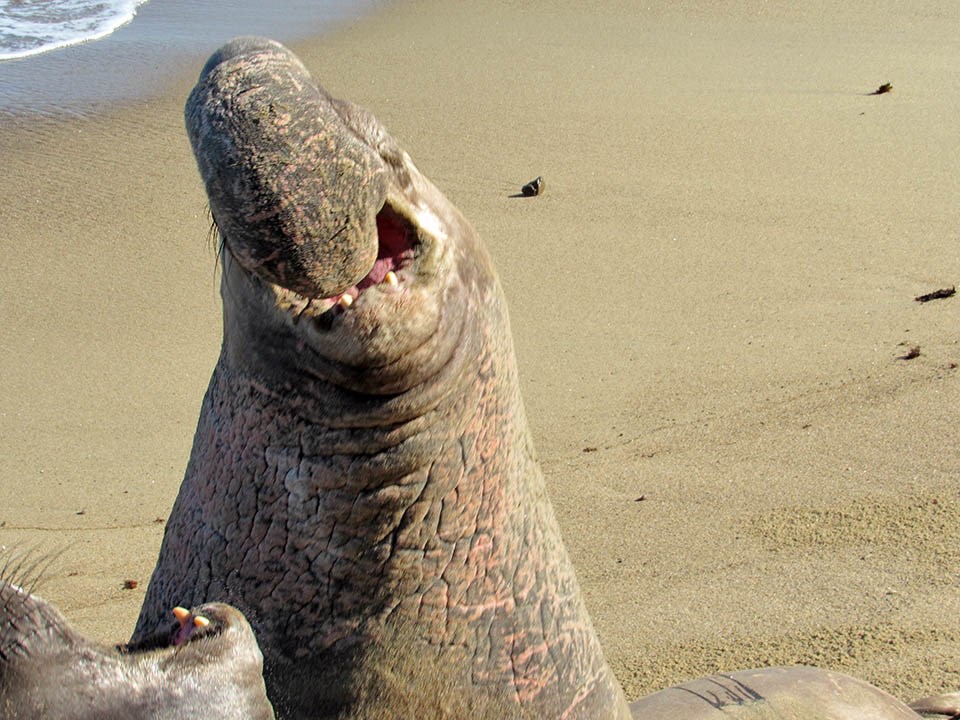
(181, 614)
(200, 621)
(345, 301)
(391, 278)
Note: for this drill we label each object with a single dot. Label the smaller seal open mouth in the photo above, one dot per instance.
(190, 626)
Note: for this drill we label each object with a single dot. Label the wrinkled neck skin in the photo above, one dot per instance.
(362, 482)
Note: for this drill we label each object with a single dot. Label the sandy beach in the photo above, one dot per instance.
(712, 304)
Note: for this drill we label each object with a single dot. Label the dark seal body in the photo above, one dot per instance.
(49, 671)
(362, 482)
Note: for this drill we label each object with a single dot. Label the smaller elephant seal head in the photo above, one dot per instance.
(205, 665)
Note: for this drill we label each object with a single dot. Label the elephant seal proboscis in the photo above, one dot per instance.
(363, 484)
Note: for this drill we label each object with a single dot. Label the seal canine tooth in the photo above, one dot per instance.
(391, 278)
(345, 301)
(200, 621)
(181, 614)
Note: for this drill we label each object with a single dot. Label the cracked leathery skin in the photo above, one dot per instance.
(362, 483)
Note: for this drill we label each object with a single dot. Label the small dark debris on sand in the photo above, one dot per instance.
(130, 584)
(534, 187)
(937, 294)
(883, 89)
(912, 352)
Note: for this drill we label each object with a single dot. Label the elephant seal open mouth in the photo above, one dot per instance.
(363, 483)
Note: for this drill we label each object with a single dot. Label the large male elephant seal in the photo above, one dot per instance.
(206, 664)
(363, 483)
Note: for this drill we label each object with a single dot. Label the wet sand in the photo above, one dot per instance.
(712, 305)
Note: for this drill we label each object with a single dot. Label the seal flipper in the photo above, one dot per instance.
(938, 706)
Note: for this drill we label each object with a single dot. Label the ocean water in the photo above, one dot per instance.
(29, 27)
(75, 57)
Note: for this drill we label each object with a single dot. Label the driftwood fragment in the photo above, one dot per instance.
(937, 294)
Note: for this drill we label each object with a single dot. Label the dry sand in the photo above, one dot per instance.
(710, 305)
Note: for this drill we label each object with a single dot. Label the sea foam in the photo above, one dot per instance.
(29, 27)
